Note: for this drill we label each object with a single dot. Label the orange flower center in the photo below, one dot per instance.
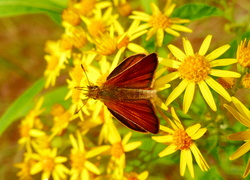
(85, 7)
(160, 21)
(246, 81)
(194, 68)
(243, 54)
(226, 82)
(96, 28)
(123, 43)
(106, 45)
(117, 150)
(71, 17)
(48, 164)
(24, 130)
(78, 160)
(52, 63)
(182, 140)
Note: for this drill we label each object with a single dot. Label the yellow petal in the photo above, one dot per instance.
(199, 133)
(240, 136)
(131, 146)
(241, 151)
(224, 73)
(126, 138)
(180, 27)
(155, 9)
(199, 158)
(247, 171)
(217, 52)
(191, 130)
(91, 167)
(241, 108)
(159, 37)
(188, 97)
(163, 139)
(205, 45)
(243, 120)
(187, 47)
(168, 150)
(207, 95)
(218, 88)
(222, 62)
(171, 63)
(160, 82)
(177, 91)
(172, 32)
(177, 52)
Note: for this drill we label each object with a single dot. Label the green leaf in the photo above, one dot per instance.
(56, 96)
(196, 11)
(17, 7)
(21, 106)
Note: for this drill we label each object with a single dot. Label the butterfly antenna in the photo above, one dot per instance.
(85, 74)
(81, 106)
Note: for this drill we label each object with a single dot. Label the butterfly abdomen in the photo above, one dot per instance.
(126, 94)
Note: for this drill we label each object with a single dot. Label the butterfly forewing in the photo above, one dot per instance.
(137, 74)
(128, 62)
(136, 114)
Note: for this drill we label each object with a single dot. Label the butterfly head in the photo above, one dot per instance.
(93, 92)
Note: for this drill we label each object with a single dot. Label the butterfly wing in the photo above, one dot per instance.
(138, 115)
(129, 61)
(134, 72)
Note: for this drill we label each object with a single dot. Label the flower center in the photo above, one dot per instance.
(48, 164)
(123, 43)
(246, 81)
(160, 21)
(71, 17)
(77, 160)
(96, 28)
(194, 68)
(243, 54)
(182, 140)
(85, 7)
(52, 63)
(117, 150)
(226, 82)
(24, 130)
(106, 45)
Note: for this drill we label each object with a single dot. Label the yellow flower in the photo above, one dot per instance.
(180, 139)
(246, 81)
(87, 7)
(49, 164)
(134, 176)
(242, 114)
(226, 82)
(61, 119)
(243, 54)
(118, 149)
(81, 166)
(28, 129)
(56, 60)
(196, 69)
(79, 79)
(159, 22)
(125, 38)
(100, 23)
(25, 166)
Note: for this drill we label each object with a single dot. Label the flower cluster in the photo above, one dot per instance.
(78, 139)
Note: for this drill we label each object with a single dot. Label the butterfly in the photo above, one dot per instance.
(128, 93)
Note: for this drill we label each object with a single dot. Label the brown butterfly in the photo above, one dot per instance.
(127, 93)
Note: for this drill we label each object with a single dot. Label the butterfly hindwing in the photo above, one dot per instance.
(138, 115)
